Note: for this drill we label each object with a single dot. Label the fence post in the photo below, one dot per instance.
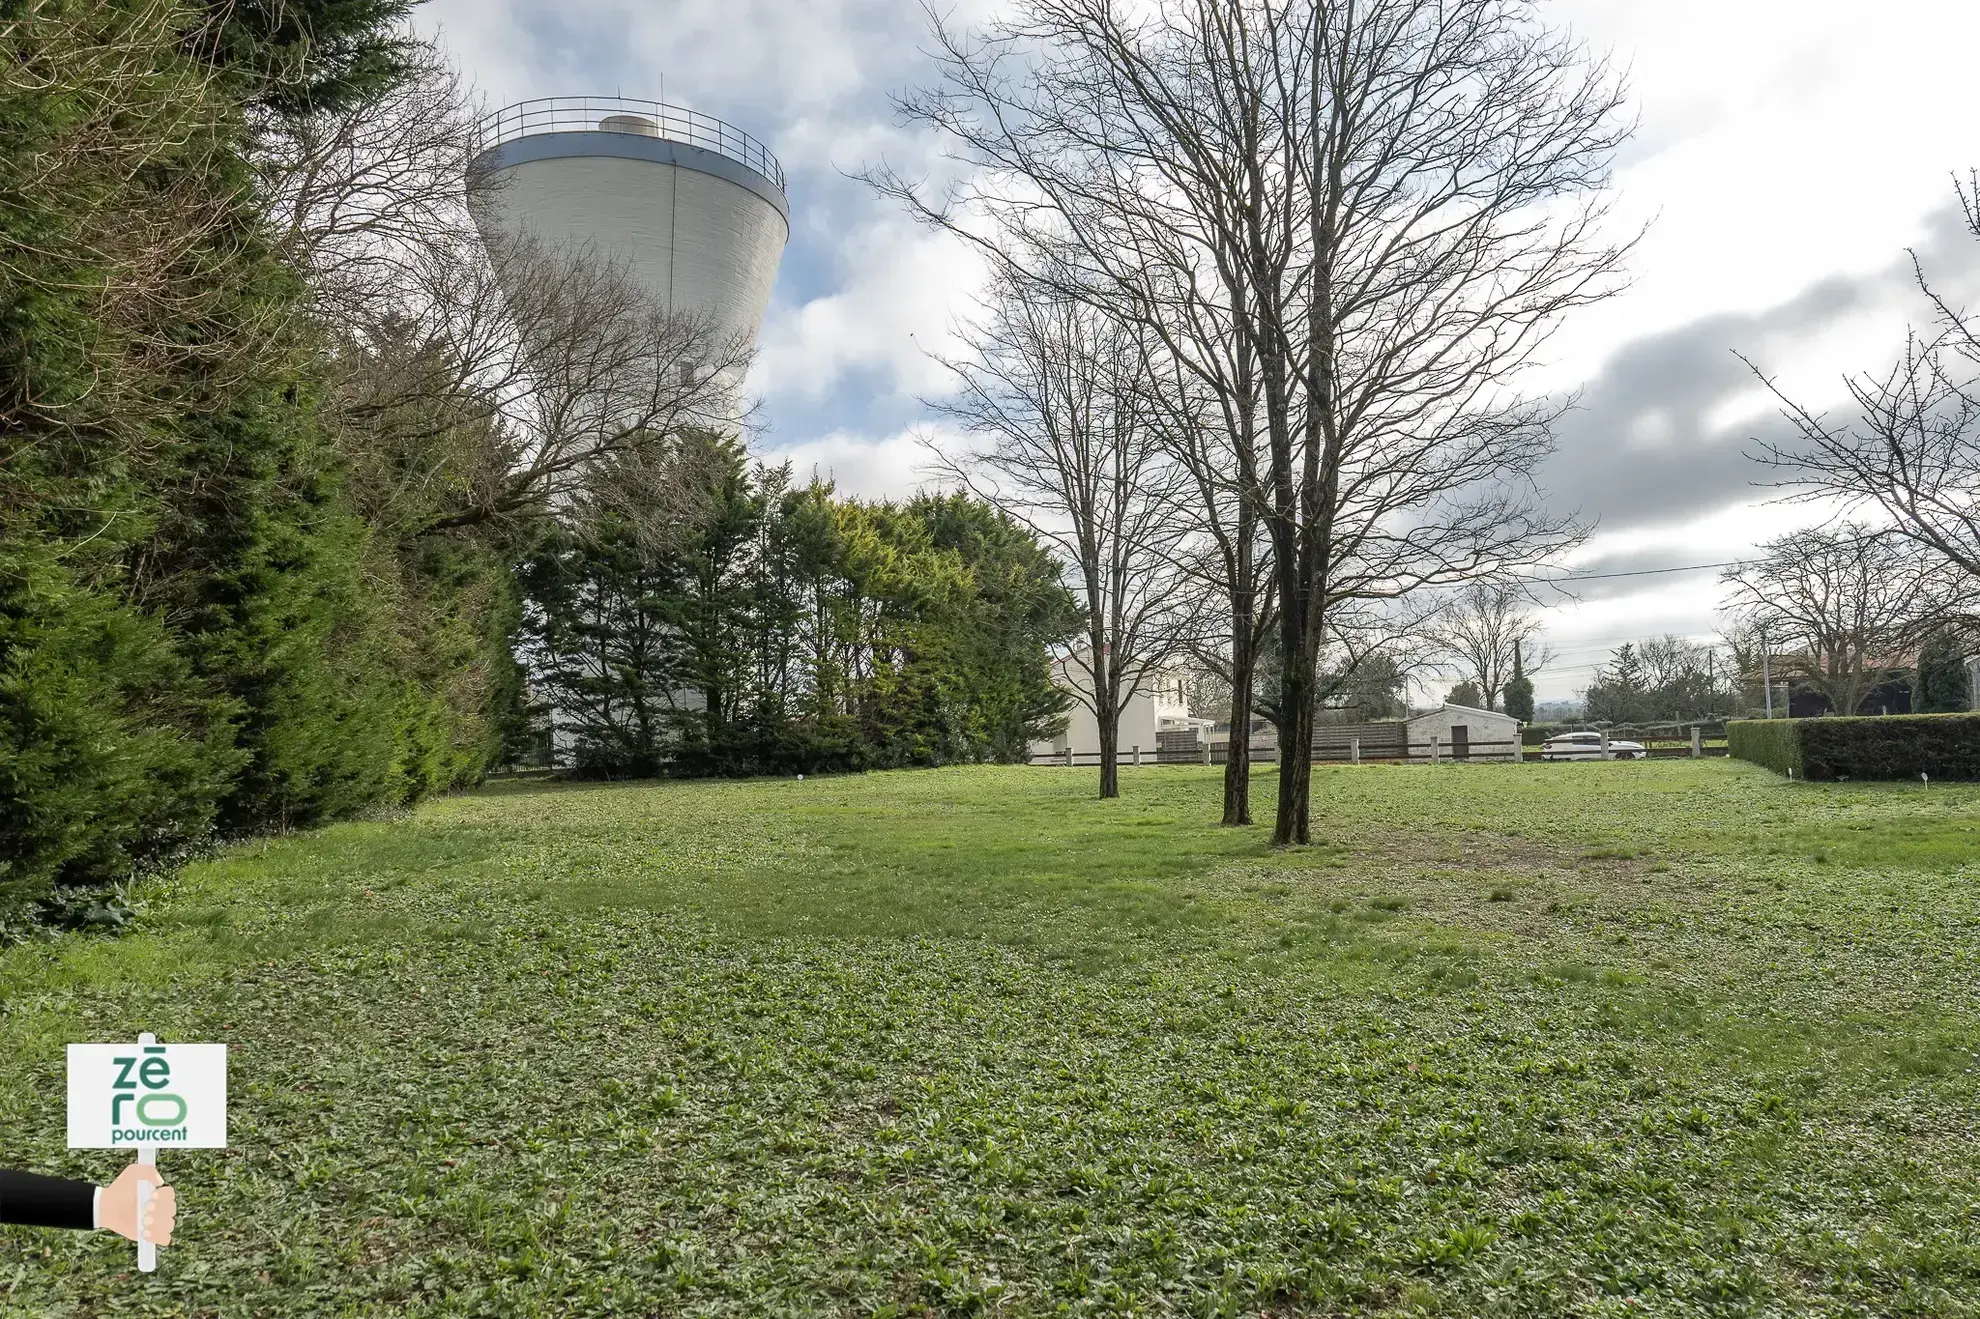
(1605, 744)
(1355, 751)
(1697, 742)
(1206, 750)
(1436, 748)
(1137, 753)
(1069, 755)
(1519, 747)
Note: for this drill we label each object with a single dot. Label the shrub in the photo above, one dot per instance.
(203, 627)
(112, 755)
(830, 745)
(1773, 743)
(95, 910)
(1901, 746)
(1945, 746)
(1941, 685)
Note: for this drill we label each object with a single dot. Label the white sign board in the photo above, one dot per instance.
(154, 1096)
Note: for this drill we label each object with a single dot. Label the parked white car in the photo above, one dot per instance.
(1588, 746)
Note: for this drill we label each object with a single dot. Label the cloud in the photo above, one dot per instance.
(1781, 141)
(1662, 430)
(892, 303)
(865, 467)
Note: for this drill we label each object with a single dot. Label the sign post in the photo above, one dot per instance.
(147, 1249)
(142, 1096)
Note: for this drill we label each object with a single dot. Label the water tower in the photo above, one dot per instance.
(694, 207)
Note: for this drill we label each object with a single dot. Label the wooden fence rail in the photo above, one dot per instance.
(1387, 753)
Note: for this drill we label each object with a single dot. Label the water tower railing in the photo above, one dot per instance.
(583, 114)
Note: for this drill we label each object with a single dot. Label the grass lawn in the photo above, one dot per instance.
(1669, 1037)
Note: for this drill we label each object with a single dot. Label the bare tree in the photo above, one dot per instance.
(1912, 452)
(506, 374)
(1362, 219)
(1839, 609)
(1227, 558)
(356, 194)
(1486, 634)
(1671, 661)
(476, 378)
(1058, 394)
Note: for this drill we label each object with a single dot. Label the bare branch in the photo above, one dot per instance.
(1847, 607)
(1057, 396)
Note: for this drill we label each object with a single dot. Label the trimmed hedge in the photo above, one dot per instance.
(1899, 746)
(1773, 743)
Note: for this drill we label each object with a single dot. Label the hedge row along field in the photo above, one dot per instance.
(1771, 743)
(1939, 746)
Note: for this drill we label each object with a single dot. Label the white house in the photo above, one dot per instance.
(1973, 682)
(1458, 728)
(1159, 705)
(1159, 711)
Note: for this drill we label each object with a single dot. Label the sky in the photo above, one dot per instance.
(1791, 157)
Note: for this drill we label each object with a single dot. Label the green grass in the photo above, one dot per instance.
(1668, 1037)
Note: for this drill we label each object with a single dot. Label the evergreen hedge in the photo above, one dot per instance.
(1902, 746)
(1945, 746)
(202, 630)
(1772, 743)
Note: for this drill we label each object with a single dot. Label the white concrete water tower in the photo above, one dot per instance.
(694, 207)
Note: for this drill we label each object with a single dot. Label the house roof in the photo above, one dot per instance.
(1464, 709)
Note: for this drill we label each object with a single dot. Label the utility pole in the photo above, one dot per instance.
(1766, 674)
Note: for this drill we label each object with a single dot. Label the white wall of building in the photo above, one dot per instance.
(1479, 725)
(1161, 701)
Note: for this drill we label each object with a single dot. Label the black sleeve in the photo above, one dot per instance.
(36, 1201)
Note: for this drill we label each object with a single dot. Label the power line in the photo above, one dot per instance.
(1642, 572)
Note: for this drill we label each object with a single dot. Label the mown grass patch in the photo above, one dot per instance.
(969, 1042)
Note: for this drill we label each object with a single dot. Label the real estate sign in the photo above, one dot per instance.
(147, 1095)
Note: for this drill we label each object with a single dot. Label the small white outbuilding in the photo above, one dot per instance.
(1462, 732)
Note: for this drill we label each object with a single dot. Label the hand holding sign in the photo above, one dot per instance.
(141, 1096)
(118, 1210)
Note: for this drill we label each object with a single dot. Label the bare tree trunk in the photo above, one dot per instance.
(1108, 716)
(1296, 685)
(1244, 667)
(1060, 395)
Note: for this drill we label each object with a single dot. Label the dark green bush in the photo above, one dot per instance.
(1941, 686)
(829, 745)
(112, 756)
(1902, 746)
(1773, 743)
(92, 910)
(1898, 746)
